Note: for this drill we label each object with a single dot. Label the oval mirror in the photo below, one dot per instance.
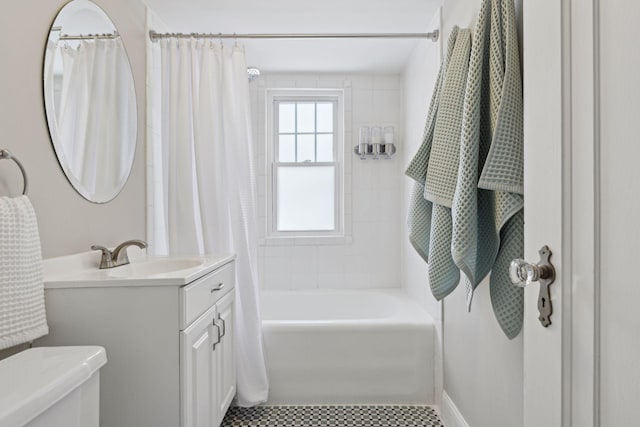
(90, 101)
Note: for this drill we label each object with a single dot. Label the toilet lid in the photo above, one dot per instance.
(35, 379)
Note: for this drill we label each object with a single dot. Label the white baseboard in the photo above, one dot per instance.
(451, 416)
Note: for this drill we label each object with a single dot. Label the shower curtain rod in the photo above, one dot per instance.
(431, 36)
(89, 37)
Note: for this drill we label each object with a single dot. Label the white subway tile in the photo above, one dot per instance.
(362, 174)
(388, 176)
(327, 83)
(362, 82)
(386, 106)
(348, 101)
(366, 239)
(278, 251)
(348, 226)
(276, 283)
(348, 121)
(358, 280)
(304, 260)
(362, 105)
(387, 205)
(284, 84)
(348, 160)
(348, 183)
(331, 281)
(330, 259)
(307, 82)
(386, 82)
(363, 205)
(277, 273)
(262, 207)
(304, 281)
(260, 186)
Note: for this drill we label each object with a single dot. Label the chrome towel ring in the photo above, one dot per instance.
(6, 154)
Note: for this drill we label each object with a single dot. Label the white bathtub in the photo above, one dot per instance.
(347, 347)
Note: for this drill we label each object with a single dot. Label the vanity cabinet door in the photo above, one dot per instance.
(226, 356)
(198, 376)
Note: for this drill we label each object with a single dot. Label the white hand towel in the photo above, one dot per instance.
(22, 312)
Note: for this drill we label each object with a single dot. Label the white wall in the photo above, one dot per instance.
(372, 214)
(68, 223)
(482, 369)
(419, 78)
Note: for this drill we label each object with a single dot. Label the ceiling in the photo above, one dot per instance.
(306, 16)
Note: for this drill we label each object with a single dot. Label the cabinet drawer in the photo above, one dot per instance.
(199, 296)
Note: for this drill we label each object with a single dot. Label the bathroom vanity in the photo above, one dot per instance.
(168, 327)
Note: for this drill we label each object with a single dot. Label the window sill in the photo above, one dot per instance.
(306, 241)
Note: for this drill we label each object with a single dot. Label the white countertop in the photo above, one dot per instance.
(81, 271)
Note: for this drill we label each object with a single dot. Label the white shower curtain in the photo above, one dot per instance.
(203, 178)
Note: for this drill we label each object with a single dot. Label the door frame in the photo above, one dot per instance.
(562, 363)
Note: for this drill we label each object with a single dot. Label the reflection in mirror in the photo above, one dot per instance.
(90, 101)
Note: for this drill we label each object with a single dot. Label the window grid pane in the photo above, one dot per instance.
(298, 124)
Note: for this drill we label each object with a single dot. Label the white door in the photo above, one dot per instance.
(582, 193)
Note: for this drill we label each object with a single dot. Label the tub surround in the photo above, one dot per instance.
(371, 192)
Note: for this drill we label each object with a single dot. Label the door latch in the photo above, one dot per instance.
(523, 273)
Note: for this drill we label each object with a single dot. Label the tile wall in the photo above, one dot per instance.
(371, 257)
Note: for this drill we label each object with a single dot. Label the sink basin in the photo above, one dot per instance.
(153, 267)
(81, 271)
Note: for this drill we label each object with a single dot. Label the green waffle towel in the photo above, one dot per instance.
(434, 168)
(488, 226)
(466, 210)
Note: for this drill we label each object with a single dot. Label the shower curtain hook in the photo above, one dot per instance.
(235, 40)
(220, 40)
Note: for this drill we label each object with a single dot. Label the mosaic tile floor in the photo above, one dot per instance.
(333, 416)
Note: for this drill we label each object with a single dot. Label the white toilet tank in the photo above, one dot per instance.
(51, 387)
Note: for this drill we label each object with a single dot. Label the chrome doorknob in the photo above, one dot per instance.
(523, 273)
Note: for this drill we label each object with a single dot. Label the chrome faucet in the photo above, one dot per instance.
(119, 255)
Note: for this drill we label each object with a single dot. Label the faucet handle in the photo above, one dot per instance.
(100, 248)
(106, 260)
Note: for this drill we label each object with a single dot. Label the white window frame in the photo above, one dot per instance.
(274, 96)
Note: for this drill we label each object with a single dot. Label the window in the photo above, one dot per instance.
(304, 155)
